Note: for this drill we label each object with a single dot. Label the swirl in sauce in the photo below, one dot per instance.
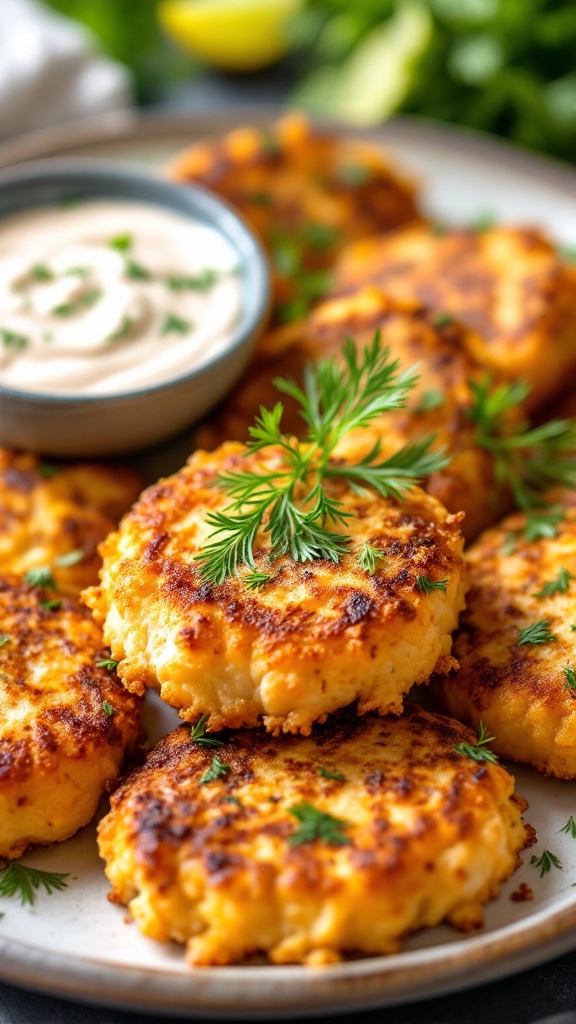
(109, 296)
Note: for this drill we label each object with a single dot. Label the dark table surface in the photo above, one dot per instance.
(544, 995)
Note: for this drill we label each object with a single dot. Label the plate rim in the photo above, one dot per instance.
(355, 985)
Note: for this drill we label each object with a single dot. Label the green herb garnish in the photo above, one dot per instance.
(136, 271)
(175, 325)
(22, 882)
(315, 824)
(193, 282)
(5, 638)
(198, 734)
(108, 709)
(77, 272)
(368, 557)
(70, 558)
(11, 339)
(570, 674)
(41, 576)
(427, 586)
(123, 330)
(328, 774)
(108, 663)
(353, 175)
(559, 585)
(430, 400)
(90, 298)
(47, 470)
(538, 633)
(545, 862)
(122, 243)
(255, 580)
(543, 522)
(40, 272)
(334, 400)
(484, 220)
(570, 827)
(217, 770)
(51, 606)
(478, 751)
(442, 319)
(528, 459)
(65, 309)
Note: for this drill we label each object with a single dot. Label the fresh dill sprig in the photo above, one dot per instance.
(199, 737)
(315, 824)
(570, 827)
(545, 862)
(570, 674)
(543, 522)
(217, 770)
(289, 501)
(537, 633)
(23, 882)
(427, 586)
(368, 558)
(559, 585)
(255, 580)
(478, 751)
(528, 459)
(430, 400)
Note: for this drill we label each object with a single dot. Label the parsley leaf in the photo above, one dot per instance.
(40, 272)
(218, 770)
(121, 243)
(108, 709)
(201, 282)
(11, 339)
(538, 633)
(315, 824)
(135, 271)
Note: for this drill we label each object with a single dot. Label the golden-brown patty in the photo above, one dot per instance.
(305, 192)
(65, 724)
(508, 285)
(426, 834)
(51, 512)
(525, 693)
(438, 404)
(316, 637)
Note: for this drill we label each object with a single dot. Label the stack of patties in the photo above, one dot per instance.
(284, 587)
(66, 723)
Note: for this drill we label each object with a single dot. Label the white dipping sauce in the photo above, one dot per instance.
(108, 296)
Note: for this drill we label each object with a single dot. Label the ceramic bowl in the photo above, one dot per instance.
(92, 425)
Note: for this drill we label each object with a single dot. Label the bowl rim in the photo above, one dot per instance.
(69, 169)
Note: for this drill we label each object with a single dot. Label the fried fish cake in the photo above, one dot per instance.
(307, 849)
(438, 405)
(516, 645)
(55, 516)
(508, 285)
(317, 636)
(306, 193)
(65, 724)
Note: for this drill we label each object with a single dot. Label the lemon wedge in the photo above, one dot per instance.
(235, 35)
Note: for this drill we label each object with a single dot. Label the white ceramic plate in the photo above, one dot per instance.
(77, 944)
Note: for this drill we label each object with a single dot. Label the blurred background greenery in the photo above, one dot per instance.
(506, 66)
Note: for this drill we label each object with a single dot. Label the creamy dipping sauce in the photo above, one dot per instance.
(107, 296)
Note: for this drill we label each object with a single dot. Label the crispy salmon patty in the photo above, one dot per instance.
(242, 857)
(516, 645)
(316, 637)
(65, 724)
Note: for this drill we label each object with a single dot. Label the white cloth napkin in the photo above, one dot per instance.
(51, 71)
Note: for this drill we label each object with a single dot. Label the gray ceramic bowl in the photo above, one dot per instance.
(109, 424)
